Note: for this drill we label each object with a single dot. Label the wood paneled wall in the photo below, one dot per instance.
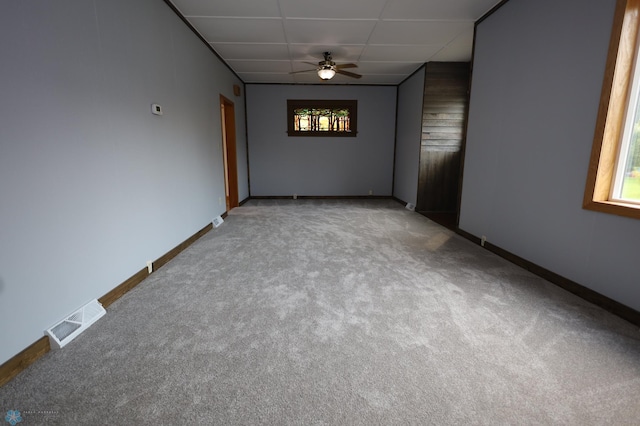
(443, 120)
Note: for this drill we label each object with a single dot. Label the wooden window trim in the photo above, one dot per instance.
(351, 104)
(611, 112)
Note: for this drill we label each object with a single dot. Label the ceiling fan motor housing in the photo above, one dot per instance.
(327, 69)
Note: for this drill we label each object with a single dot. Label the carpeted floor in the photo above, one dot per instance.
(339, 312)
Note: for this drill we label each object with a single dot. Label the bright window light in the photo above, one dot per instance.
(626, 185)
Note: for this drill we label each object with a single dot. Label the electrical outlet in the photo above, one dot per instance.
(483, 240)
(295, 196)
(371, 192)
(219, 201)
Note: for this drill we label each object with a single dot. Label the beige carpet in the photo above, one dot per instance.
(339, 312)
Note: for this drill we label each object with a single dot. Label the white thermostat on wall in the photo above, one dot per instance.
(156, 109)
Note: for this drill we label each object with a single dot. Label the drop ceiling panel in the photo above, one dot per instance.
(338, 9)
(262, 8)
(328, 32)
(260, 66)
(399, 53)
(251, 51)
(405, 68)
(469, 10)
(459, 50)
(263, 40)
(229, 30)
(417, 32)
(313, 52)
(266, 78)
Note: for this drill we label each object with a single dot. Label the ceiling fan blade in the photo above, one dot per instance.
(298, 72)
(348, 74)
(315, 64)
(346, 66)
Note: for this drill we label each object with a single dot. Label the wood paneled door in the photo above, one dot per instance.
(227, 111)
(444, 115)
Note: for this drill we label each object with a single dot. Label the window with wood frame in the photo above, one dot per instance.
(322, 117)
(613, 182)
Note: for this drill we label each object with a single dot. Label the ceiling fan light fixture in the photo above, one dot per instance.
(326, 73)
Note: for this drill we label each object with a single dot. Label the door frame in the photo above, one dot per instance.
(228, 122)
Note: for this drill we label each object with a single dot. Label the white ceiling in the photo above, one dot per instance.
(264, 40)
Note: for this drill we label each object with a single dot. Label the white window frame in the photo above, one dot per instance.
(631, 114)
(611, 122)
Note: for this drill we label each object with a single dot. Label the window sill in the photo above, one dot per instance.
(614, 207)
(324, 134)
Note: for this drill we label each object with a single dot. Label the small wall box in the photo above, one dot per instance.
(156, 109)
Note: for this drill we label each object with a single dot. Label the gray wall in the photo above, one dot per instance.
(319, 166)
(92, 185)
(538, 71)
(408, 137)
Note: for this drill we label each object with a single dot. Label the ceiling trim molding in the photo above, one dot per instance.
(322, 84)
(491, 11)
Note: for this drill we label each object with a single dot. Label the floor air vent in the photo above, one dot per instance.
(217, 221)
(67, 329)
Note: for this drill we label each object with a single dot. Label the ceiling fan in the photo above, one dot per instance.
(327, 69)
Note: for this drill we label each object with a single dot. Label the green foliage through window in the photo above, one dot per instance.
(321, 117)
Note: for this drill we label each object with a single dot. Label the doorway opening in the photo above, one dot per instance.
(444, 116)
